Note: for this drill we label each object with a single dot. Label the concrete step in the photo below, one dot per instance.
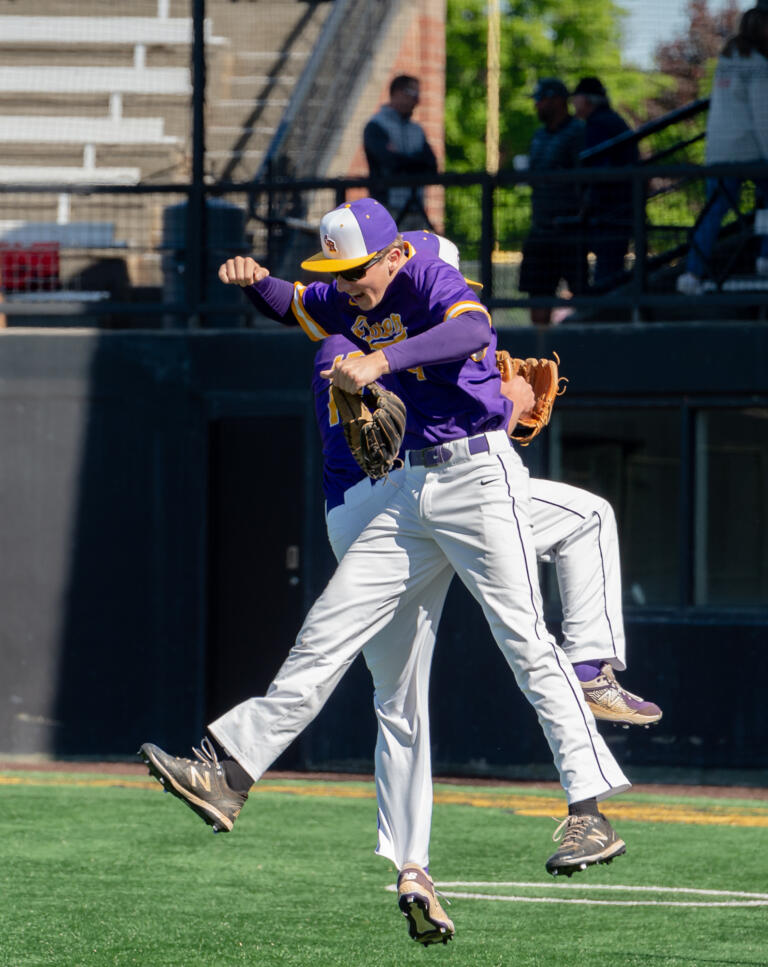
(99, 56)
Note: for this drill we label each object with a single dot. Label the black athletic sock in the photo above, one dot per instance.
(587, 807)
(237, 778)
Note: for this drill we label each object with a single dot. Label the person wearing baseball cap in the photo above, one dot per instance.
(461, 497)
(352, 236)
(607, 206)
(553, 250)
(549, 87)
(354, 239)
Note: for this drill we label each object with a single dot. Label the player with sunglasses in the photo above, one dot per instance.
(354, 275)
(416, 319)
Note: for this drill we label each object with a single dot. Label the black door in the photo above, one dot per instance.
(255, 526)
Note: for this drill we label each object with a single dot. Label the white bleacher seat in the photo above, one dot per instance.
(72, 235)
(34, 30)
(94, 80)
(74, 130)
(67, 175)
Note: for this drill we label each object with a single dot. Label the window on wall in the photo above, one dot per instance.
(731, 508)
(631, 457)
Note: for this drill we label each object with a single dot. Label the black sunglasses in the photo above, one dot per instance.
(355, 274)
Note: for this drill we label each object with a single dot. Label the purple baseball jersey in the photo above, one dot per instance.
(340, 469)
(444, 401)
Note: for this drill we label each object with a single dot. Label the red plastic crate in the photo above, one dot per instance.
(29, 267)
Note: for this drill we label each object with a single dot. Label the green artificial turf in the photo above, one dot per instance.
(120, 874)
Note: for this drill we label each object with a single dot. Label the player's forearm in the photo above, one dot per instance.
(273, 297)
(453, 339)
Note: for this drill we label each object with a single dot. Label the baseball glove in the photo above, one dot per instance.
(542, 375)
(374, 426)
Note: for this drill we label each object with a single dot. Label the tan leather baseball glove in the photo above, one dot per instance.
(543, 377)
(374, 427)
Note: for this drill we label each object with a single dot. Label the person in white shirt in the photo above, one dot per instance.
(737, 130)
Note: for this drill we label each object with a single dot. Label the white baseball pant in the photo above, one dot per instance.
(573, 529)
(435, 516)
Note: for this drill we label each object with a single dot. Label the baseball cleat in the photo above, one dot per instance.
(427, 921)
(200, 783)
(586, 840)
(612, 703)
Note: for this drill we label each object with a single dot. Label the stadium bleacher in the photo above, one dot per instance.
(90, 97)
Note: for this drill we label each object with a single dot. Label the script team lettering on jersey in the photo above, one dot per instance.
(381, 333)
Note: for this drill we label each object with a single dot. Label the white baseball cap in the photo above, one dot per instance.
(351, 235)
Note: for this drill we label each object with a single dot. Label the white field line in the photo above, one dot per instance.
(742, 899)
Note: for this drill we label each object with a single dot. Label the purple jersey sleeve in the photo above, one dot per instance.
(272, 297)
(455, 338)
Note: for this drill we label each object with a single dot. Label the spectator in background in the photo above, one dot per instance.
(396, 145)
(737, 130)
(553, 249)
(606, 206)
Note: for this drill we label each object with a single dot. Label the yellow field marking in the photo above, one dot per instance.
(526, 804)
(719, 813)
(55, 779)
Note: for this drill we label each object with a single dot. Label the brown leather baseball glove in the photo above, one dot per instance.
(543, 377)
(374, 427)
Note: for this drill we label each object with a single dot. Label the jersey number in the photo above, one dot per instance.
(333, 413)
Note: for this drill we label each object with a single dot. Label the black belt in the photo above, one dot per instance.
(434, 456)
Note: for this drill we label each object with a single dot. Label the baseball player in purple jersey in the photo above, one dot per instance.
(576, 530)
(572, 528)
(416, 319)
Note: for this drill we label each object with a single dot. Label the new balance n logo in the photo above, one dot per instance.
(200, 779)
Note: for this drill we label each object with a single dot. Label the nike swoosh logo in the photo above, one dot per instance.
(484, 482)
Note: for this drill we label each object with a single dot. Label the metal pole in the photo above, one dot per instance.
(641, 244)
(196, 222)
(487, 238)
(492, 88)
(488, 241)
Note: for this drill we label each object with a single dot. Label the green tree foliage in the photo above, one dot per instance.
(689, 59)
(539, 38)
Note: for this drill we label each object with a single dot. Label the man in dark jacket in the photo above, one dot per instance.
(396, 145)
(553, 250)
(607, 206)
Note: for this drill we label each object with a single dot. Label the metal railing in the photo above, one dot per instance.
(310, 125)
(146, 255)
(167, 299)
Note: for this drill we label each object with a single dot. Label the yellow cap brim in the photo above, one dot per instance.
(320, 263)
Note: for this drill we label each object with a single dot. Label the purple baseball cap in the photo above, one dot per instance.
(351, 235)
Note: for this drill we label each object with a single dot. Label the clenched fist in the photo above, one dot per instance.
(356, 372)
(242, 271)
